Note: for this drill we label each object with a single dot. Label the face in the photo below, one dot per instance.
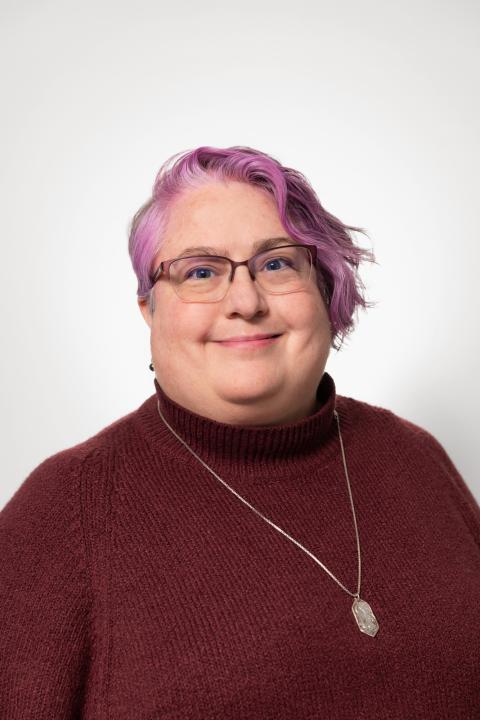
(240, 383)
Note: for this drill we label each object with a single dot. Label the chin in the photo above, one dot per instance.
(246, 395)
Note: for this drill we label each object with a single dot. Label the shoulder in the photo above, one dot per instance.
(387, 436)
(383, 424)
(54, 487)
(383, 432)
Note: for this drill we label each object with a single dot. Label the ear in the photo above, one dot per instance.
(144, 306)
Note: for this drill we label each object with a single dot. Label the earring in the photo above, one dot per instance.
(151, 366)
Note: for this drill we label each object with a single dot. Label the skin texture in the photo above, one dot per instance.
(270, 385)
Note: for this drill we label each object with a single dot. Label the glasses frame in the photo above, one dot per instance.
(164, 268)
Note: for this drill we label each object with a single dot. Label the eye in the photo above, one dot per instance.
(203, 273)
(273, 263)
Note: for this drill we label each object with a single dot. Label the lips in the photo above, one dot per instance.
(248, 338)
(247, 343)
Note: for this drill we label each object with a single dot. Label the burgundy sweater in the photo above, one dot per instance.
(134, 585)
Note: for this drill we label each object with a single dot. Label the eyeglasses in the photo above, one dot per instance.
(206, 278)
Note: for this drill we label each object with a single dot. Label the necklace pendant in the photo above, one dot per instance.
(366, 620)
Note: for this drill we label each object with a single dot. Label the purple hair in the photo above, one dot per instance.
(299, 208)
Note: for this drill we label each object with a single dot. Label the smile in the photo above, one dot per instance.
(249, 343)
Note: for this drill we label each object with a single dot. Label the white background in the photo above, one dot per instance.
(376, 102)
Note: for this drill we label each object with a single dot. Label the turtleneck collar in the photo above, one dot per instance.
(266, 448)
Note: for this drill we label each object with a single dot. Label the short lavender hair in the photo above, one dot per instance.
(300, 212)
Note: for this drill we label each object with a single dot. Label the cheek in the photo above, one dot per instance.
(305, 313)
(180, 322)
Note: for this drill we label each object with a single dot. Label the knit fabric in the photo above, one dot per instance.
(135, 585)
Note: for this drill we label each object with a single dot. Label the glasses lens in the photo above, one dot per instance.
(203, 278)
(283, 269)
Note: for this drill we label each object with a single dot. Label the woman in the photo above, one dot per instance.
(247, 543)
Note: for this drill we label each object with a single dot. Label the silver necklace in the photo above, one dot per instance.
(362, 612)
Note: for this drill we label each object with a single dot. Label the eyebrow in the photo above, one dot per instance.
(258, 246)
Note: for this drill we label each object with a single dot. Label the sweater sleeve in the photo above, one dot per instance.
(44, 596)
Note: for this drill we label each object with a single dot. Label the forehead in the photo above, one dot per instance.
(227, 216)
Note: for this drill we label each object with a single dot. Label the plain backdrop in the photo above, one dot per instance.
(375, 102)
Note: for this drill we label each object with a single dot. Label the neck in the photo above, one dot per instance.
(254, 450)
(253, 414)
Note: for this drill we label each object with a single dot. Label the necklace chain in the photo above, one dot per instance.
(356, 594)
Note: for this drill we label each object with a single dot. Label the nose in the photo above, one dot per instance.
(244, 296)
